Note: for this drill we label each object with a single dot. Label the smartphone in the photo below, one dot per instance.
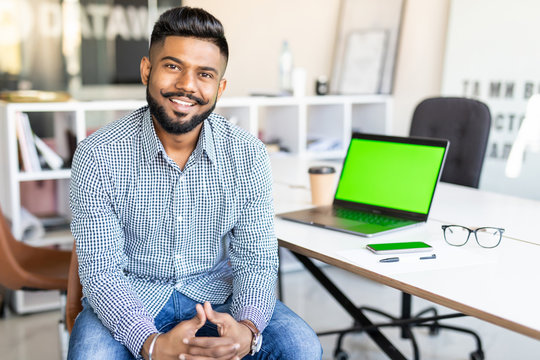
(401, 247)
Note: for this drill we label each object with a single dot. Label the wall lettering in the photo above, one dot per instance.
(504, 124)
(98, 21)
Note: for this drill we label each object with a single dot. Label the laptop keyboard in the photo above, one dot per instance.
(366, 217)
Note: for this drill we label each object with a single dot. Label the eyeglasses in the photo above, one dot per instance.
(487, 237)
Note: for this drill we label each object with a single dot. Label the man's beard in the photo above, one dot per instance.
(171, 125)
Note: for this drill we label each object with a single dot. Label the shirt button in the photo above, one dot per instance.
(177, 257)
(179, 218)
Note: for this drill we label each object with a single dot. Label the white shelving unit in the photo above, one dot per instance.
(291, 121)
(73, 116)
(77, 117)
(295, 120)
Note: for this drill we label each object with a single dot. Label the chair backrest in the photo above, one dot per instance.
(74, 292)
(466, 123)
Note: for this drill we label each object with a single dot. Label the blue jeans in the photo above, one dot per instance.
(287, 336)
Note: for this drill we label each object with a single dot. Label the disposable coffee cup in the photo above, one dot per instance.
(322, 180)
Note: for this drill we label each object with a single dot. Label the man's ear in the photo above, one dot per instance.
(145, 70)
(222, 86)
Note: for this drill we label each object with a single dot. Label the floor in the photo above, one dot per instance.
(33, 337)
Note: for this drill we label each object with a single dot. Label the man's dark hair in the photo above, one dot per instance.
(190, 22)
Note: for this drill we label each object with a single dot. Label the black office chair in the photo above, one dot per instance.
(466, 123)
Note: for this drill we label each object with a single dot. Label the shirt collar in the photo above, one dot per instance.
(208, 138)
(153, 146)
(205, 144)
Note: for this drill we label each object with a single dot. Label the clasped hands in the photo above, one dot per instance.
(234, 341)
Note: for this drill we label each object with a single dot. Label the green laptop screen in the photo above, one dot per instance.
(390, 174)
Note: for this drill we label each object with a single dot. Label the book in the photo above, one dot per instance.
(52, 159)
(23, 147)
(26, 143)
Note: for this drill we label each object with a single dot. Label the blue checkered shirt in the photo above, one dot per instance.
(145, 228)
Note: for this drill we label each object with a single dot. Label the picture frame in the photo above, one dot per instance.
(366, 46)
(363, 61)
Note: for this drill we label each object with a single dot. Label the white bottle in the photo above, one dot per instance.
(299, 81)
(285, 69)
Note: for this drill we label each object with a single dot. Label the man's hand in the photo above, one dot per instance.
(228, 328)
(176, 344)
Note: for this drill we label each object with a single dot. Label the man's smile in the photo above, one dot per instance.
(180, 102)
(183, 98)
(183, 105)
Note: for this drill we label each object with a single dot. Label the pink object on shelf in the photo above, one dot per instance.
(39, 197)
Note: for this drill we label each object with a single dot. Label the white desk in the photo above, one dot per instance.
(496, 285)
(466, 206)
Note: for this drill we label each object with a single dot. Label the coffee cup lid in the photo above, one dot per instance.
(321, 170)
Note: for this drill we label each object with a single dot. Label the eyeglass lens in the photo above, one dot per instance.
(456, 235)
(487, 237)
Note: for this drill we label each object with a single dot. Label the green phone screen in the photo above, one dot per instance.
(399, 246)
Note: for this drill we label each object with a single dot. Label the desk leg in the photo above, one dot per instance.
(405, 313)
(384, 344)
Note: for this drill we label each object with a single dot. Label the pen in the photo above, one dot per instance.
(432, 256)
(392, 259)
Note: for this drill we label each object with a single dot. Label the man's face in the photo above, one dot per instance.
(184, 80)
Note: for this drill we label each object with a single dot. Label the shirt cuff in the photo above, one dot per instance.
(254, 315)
(137, 336)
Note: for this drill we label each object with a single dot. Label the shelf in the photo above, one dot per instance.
(76, 106)
(25, 302)
(104, 105)
(322, 155)
(63, 238)
(306, 100)
(44, 175)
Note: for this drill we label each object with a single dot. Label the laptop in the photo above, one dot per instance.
(387, 183)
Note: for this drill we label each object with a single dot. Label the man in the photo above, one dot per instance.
(173, 220)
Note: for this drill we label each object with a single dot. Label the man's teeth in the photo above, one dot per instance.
(181, 102)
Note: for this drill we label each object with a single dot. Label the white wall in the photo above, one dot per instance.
(255, 30)
(420, 60)
(494, 58)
